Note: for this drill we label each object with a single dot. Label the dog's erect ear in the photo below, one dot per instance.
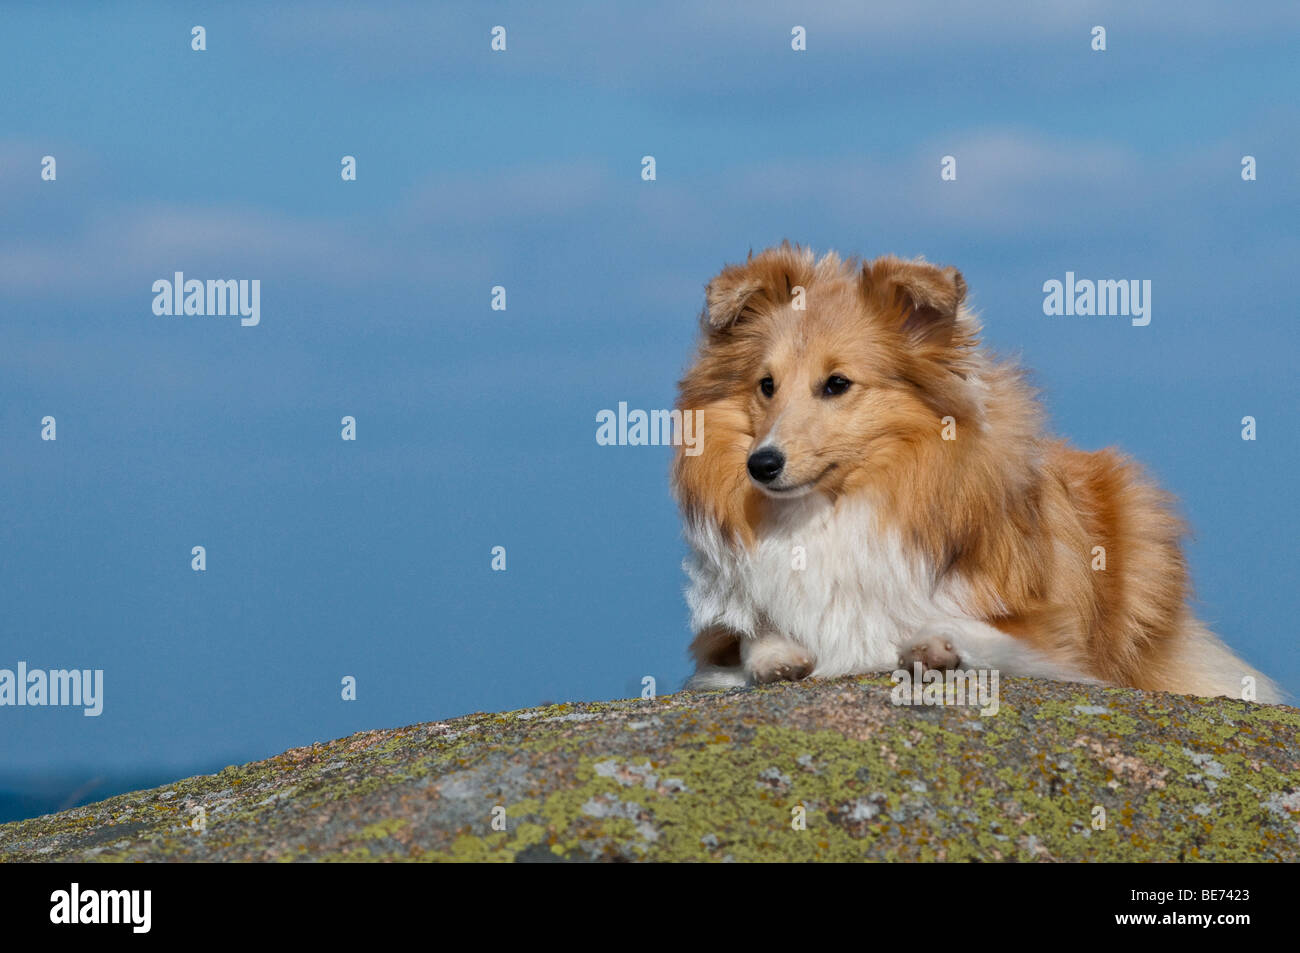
(764, 280)
(922, 298)
(726, 298)
(728, 295)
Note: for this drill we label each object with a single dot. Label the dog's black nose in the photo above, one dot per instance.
(766, 464)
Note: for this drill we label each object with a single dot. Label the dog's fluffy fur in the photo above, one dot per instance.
(881, 541)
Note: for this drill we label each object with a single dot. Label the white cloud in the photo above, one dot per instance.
(627, 44)
(125, 246)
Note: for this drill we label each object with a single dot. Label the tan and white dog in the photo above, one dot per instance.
(875, 490)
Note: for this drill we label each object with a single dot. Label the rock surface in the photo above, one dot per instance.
(1061, 772)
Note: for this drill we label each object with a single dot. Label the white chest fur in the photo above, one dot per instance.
(828, 576)
(822, 574)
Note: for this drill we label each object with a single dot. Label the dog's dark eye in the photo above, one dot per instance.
(835, 385)
(767, 386)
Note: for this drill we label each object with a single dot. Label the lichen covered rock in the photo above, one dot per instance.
(827, 770)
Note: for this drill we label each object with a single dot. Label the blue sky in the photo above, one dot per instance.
(476, 428)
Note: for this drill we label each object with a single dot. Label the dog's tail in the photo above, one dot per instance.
(716, 677)
(1206, 666)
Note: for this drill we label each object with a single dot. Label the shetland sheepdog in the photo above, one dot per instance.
(875, 491)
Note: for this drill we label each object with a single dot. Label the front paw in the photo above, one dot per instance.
(774, 658)
(933, 653)
(791, 669)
